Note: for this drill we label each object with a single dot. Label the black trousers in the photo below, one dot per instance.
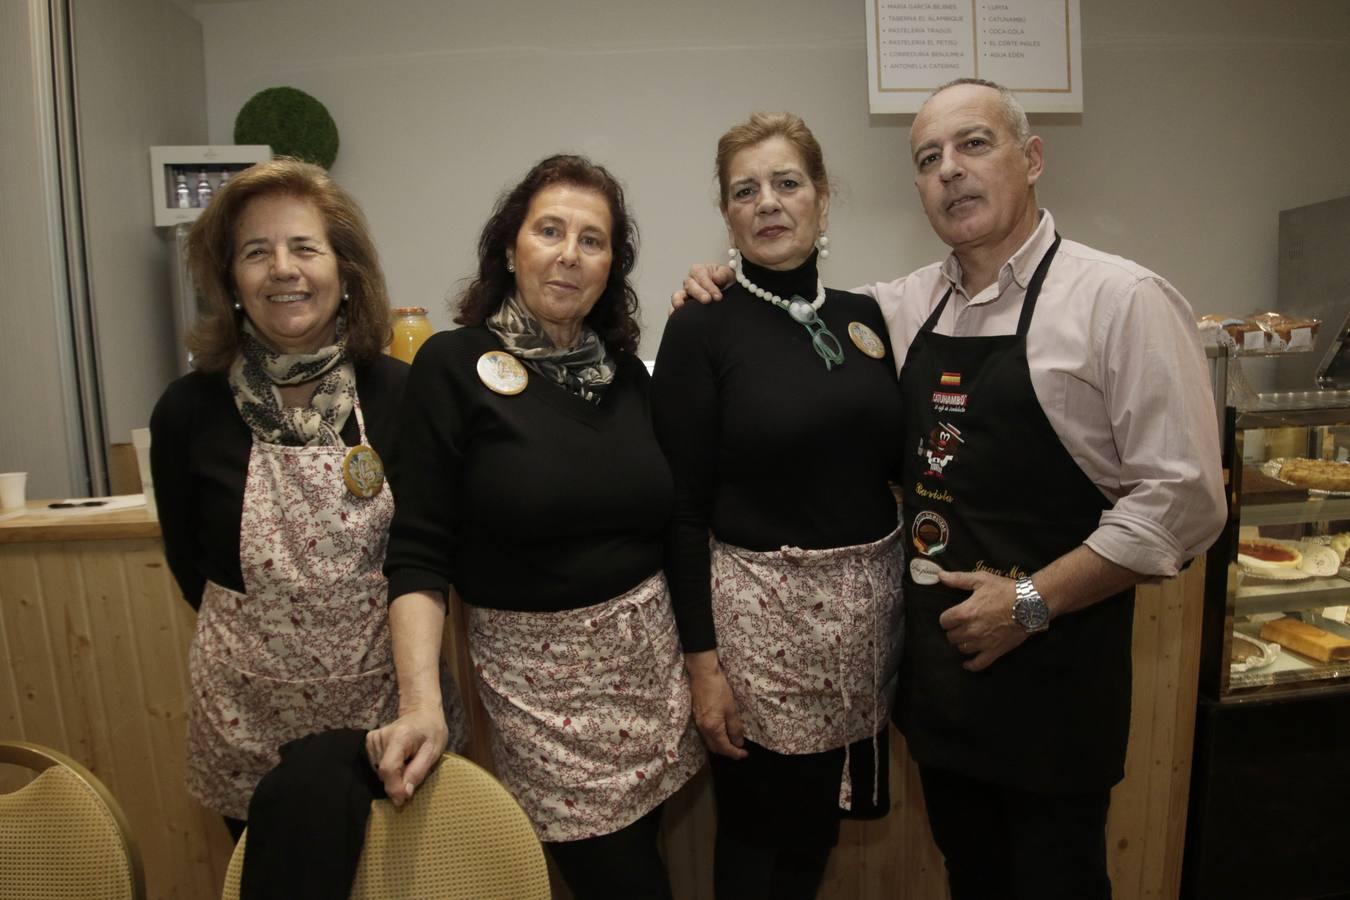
(778, 816)
(622, 865)
(236, 827)
(1011, 844)
(744, 871)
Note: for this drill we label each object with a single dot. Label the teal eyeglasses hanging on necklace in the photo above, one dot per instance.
(823, 341)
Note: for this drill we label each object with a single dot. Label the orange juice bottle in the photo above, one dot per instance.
(411, 330)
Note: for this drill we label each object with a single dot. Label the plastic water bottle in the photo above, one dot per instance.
(184, 197)
(203, 190)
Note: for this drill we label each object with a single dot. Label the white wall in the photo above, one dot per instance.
(1202, 121)
(141, 82)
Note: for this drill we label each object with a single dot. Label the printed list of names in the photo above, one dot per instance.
(919, 44)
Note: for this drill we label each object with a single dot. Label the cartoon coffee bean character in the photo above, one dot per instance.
(941, 448)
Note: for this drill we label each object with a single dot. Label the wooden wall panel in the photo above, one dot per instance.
(38, 709)
(1147, 827)
(96, 637)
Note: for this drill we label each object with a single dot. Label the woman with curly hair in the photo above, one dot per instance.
(528, 477)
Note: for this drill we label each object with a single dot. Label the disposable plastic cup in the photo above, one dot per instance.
(12, 488)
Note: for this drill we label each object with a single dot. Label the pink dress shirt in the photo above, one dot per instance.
(1117, 367)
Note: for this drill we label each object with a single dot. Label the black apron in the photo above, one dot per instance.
(988, 486)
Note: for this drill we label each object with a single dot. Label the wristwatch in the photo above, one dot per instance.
(1029, 609)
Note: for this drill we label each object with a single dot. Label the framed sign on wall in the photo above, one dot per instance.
(1033, 47)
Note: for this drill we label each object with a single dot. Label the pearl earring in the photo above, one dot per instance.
(345, 296)
(510, 266)
(823, 245)
(732, 253)
(238, 306)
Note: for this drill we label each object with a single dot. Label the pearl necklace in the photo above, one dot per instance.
(823, 341)
(773, 298)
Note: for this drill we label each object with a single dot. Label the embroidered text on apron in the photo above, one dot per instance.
(989, 486)
(306, 647)
(809, 640)
(592, 724)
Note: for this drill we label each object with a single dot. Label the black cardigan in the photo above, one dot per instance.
(536, 502)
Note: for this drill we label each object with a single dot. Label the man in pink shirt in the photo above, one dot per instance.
(1065, 392)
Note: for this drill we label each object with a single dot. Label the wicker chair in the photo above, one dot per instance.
(463, 837)
(62, 835)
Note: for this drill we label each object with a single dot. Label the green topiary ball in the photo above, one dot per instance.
(291, 122)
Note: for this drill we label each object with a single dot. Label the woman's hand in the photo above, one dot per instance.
(404, 751)
(715, 712)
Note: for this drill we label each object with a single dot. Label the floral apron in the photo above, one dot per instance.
(306, 647)
(809, 640)
(592, 725)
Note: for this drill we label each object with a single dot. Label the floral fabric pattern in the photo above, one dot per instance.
(306, 647)
(590, 708)
(810, 641)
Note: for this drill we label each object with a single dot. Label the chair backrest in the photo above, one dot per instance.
(63, 835)
(463, 837)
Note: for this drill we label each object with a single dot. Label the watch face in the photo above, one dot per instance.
(1031, 613)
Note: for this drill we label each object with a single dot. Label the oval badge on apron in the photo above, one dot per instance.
(363, 471)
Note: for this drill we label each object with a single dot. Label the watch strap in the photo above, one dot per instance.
(1029, 608)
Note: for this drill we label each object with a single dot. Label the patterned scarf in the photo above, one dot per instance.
(585, 370)
(257, 371)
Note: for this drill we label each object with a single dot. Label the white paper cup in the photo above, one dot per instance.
(140, 439)
(12, 487)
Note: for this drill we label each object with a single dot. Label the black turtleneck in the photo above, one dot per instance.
(769, 449)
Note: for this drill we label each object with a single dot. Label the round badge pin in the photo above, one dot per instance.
(866, 340)
(929, 533)
(924, 571)
(502, 373)
(363, 471)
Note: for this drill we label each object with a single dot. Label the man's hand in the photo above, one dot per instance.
(715, 712)
(404, 751)
(703, 284)
(982, 625)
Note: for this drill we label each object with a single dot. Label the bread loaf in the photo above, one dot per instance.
(1309, 640)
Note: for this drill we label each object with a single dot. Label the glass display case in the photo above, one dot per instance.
(1281, 567)
(1269, 784)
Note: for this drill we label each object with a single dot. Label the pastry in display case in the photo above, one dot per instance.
(1288, 590)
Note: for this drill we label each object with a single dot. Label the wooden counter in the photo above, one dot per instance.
(95, 635)
(41, 524)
